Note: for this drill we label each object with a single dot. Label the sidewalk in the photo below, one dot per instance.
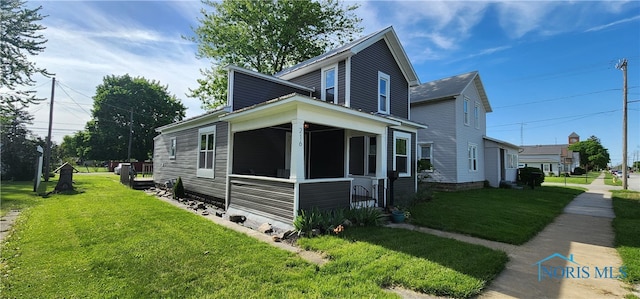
(583, 234)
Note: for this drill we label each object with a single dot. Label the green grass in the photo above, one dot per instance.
(574, 179)
(626, 206)
(414, 260)
(504, 215)
(107, 241)
(608, 180)
(20, 195)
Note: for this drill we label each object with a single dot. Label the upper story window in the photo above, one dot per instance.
(476, 115)
(465, 111)
(330, 84)
(402, 153)
(384, 84)
(173, 148)
(206, 152)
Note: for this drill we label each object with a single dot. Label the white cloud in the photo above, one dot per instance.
(605, 26)
(81, 54)
(518, 18)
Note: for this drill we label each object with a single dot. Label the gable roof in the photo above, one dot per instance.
(352, 48)
(449, 87)
(573, 134)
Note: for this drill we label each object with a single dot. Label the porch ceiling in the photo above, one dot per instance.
(295, 106)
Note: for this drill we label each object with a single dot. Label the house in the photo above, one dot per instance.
(329, 132)
(456, 145)
(552, 158)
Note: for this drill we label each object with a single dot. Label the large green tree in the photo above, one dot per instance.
(18, 145)
(107, 134)
(592, 154)
(20, 38)
(266, 36)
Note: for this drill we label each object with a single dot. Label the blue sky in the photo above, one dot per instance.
(548, 67)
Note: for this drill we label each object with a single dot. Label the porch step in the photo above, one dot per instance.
(142, 184)
(510, 185)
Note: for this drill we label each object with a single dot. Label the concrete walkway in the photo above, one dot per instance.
(583, 234)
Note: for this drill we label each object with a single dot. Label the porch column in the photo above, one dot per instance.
(297, 150)
(381, 162)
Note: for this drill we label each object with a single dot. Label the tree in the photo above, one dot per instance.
(107, 133)
(19, 39)
(18, 150)
(266, 36)
(592, 154)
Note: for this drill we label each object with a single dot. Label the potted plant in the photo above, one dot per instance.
(399, 215)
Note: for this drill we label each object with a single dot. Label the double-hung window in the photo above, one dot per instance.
(426, 156)
(206, 152)
(473, 157)
(330, 84)
(173, 146)
(384, 84)
(476, 115)
(465, 111)
(402, 153)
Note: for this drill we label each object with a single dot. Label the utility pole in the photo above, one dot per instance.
(622, 65)
(47, 150)
(130, 135)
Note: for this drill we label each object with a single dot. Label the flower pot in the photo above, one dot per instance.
(397, 216)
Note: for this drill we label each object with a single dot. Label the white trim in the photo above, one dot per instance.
(407, 137)
(194, 122)
(419, 153)
(465, 114)
(230, 80)
(206, 172)
(229, 166)
(409, 102)
(347, 82)
(323, 82)
(476, 115)
(470, 159)
(261, 178)
(173, 147)
(383, 76)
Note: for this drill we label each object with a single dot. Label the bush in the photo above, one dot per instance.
(324, 221)
(178, 189)
(368, 216)
(525, 176)
(579, 171)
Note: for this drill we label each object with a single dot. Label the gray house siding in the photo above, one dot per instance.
(325, 196)
(364, 80)
(314, 80)
(185, 163)
(249, 90)
(441, 118)
(270, 199)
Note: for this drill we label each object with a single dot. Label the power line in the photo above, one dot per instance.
(562, 98)
(555, 118)
(74, 101)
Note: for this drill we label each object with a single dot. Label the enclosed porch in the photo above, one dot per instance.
(299, 153)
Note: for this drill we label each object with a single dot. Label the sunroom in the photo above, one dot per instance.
(296, 152)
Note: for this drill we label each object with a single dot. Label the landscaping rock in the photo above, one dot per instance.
(347, 222)
(205, 213)
(277, 239)
(219, 213)
(265, 228)
(315, 232)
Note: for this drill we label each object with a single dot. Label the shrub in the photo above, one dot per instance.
(368, 216)
(324, 221)
(525, 176)
(178, 189)
(579, 171)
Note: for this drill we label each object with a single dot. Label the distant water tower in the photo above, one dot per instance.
(573, 138)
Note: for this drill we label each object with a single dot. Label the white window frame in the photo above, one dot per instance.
(173, 147)
(324, 86)
(420, 157)
(472, 154)
(512, 161)
(465, 111)
(201, 171)
(476, 115)
(383, 76)
(404, 136)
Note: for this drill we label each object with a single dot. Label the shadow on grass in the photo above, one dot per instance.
(473, 260)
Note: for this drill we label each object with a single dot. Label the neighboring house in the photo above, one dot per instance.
(328, 133)
(554, 158)
(456, 145)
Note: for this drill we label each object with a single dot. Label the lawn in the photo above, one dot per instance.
(608, 180)
(626, 206)
(504, 215)
(106, 240)
(574, 179)
(19, 195)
